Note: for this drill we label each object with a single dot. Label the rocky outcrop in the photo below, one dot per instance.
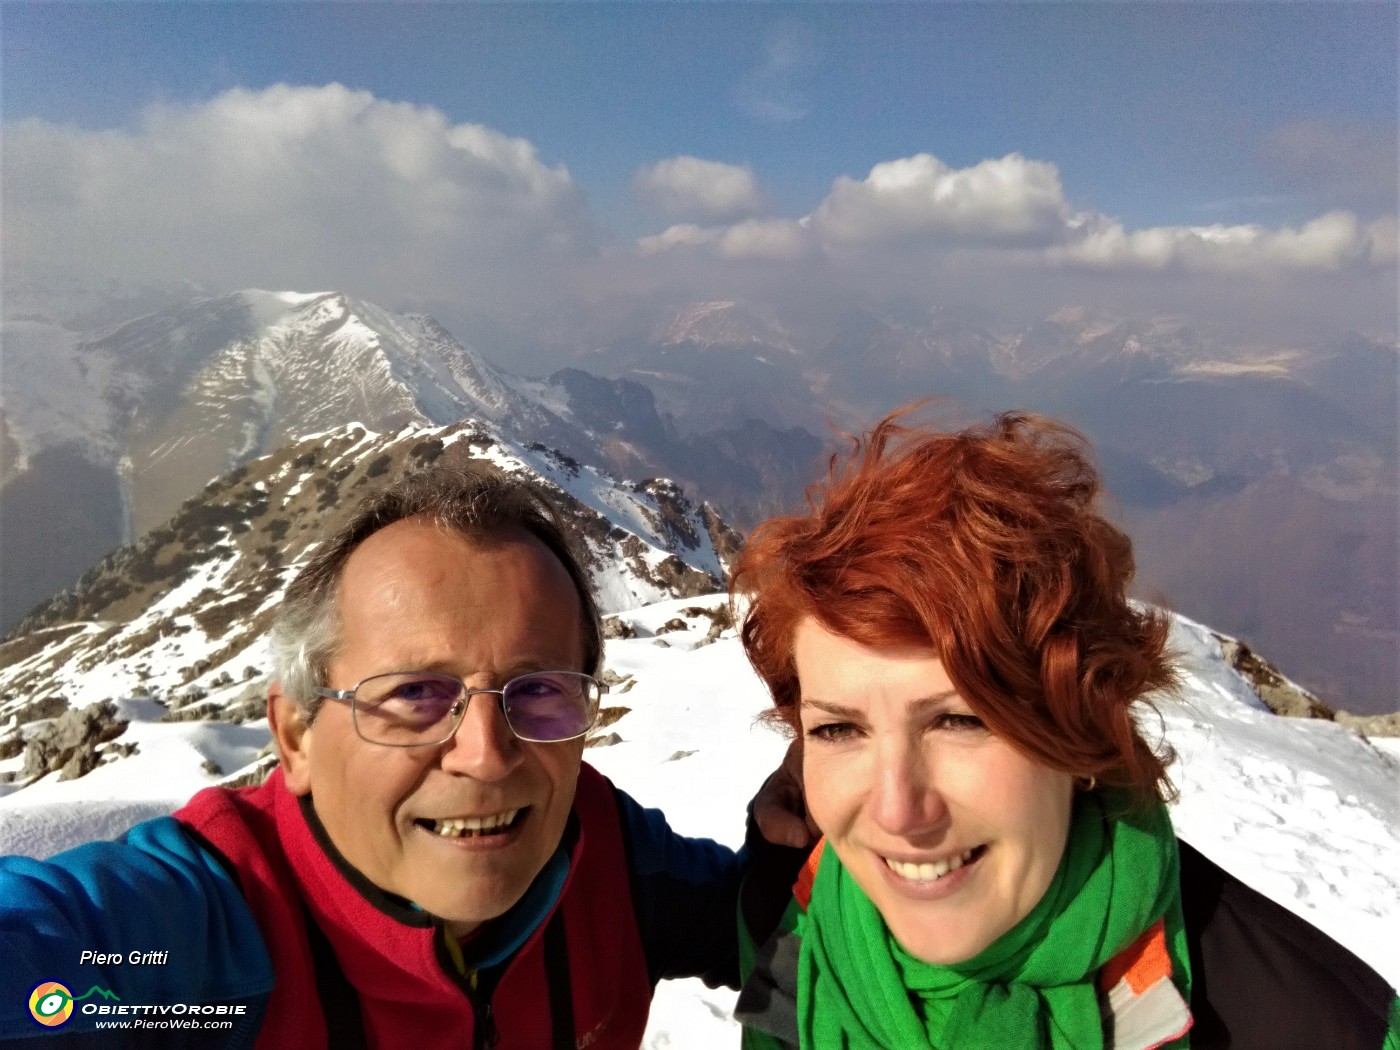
(69, 744)
(1287, 698)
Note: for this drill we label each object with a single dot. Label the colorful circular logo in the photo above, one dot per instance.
(50, 1003)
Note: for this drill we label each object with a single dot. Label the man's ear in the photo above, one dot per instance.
(291, 737)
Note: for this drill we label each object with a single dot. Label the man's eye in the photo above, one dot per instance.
(424, 691)
(832, 732)
(536, 688)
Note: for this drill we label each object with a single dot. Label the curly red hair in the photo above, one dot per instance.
(985, 545)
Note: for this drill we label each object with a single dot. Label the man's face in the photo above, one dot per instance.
(418, 597)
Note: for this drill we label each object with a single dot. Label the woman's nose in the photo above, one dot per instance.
(904, 796)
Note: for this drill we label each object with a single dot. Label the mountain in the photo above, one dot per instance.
(1258, 481)
(104, 433)
(183, 613)
(713, 365)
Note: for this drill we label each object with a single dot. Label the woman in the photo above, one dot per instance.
(948, 632)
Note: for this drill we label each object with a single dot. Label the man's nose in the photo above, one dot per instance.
(483, 747)
(904, 796)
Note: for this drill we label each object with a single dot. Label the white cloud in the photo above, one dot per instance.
(1328, 243)
(1013, 212)
(774, 239)
(682, 235)
(706, 189)
(1010, 201)
(297, 187)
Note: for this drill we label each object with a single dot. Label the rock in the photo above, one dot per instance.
(616, 627)
(1280, 695)
(675, 623)
(69, 743)
(252, 775)
(608, 715)
(1371, 725)
(45, 707)
(603, 741)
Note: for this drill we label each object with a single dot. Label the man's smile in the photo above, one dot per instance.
(471, 827)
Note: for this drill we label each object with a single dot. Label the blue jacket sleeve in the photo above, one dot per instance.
(169, 921)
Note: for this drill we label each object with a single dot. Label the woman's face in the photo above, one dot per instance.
(951, 832)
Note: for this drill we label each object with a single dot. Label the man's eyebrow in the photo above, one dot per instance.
(446, 665)
(855, 713)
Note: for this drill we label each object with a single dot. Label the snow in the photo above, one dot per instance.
(1307, 812)
(273, 309)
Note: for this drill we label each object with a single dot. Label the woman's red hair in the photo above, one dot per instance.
(985, 546)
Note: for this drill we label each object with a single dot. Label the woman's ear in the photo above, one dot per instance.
(291, 736)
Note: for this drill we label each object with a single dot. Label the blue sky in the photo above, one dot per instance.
(1152, 115)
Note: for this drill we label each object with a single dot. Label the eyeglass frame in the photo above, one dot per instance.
(462, 703)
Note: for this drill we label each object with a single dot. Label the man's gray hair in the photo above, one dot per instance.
(478, 504)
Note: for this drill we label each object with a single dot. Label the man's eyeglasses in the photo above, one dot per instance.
(422, 708)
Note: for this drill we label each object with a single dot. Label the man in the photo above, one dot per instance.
(432, 864)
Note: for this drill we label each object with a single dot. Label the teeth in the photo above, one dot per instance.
(456, 827)
(928, 872)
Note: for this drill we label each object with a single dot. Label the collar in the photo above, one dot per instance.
(383, 940)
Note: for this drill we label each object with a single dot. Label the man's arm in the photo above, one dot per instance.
(686, 893)
(159, 918)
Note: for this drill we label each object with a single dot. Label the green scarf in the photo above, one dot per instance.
(1034, 988)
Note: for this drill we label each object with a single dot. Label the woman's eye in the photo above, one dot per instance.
(832, 732)
(958, 722)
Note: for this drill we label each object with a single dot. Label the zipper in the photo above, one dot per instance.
(484, 1033)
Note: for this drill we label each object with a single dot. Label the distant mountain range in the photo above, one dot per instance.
(1259, 482)
(104, 433)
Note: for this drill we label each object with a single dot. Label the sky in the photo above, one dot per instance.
(1238, 160)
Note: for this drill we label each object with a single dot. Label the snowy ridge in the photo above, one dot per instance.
(197, 389)
(181, 616)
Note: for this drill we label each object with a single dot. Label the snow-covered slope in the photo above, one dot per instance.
(182, 395)
(1308, 812)
(184, 612)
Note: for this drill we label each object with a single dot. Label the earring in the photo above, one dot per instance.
(1090, 784)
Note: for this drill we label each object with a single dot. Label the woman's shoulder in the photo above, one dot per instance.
(1262, 977)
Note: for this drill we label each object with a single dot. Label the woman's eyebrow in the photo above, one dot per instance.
(842, 711)
(934, 699)
(838, 710)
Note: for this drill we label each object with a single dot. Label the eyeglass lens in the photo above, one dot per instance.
(417, 707)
